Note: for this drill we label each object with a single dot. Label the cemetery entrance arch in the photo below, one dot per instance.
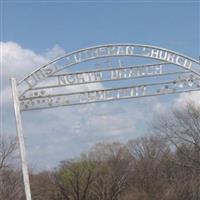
(99, 74)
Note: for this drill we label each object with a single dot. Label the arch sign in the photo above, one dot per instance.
(99, 74)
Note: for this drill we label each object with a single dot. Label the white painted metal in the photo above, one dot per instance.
(115, 99)
(111, 50)
(50, 70)
(123, 77)
(101, 95)
(21, 139)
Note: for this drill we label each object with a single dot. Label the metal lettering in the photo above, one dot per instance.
(94, 53)
(90, 77)
(83, 97)
(94, 76)
(132, 92)
(91, 96)
(114, 74)
(71, 78)
(130, 50)
(118, 93)
(30, 81)
(118, 74)
(163, 55)
(136, 91)
(158, 69)
(126, 92)
(143, 90)
(155, 53)
(103, 51)
(80, 78)
(70, 60)
(171, 57)
(179, 60)
(145, 52)
(98, 76)
(187, 84)
(62, 80)
(149, 70)
(120, 63)
(141, 72)
(107, 75)
(112, 51)
(78, 57)
(187, 64)
(120, 50)
(132, 73)
(100, 95)
(108, 94)
(48, 70)
(39, 75)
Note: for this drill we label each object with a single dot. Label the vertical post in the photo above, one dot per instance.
(21, 139)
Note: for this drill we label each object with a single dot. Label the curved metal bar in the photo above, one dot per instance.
(110, 69)
(91, 96)
(117, 99)
(181, 60)
(107, 89)
(109, 80)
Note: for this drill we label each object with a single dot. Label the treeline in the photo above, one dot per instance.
(164, 165)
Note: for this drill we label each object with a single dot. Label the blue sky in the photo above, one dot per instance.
(39, 25)
(34, 32)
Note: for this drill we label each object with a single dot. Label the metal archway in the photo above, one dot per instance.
(47, 86)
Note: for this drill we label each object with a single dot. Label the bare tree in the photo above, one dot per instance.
(7, 151)
(11, 185)
(74, 179)
(181, 127)
(43, 187)
(150, 166)
(10, 177)
(114, 164)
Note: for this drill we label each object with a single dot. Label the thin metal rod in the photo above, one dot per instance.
(111, 68)
(97, 81)
(109, 89)
(111, 45)
(117, 99)
(105, 80)
(21, 139)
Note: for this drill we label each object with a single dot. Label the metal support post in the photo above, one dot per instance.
(21, 139)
